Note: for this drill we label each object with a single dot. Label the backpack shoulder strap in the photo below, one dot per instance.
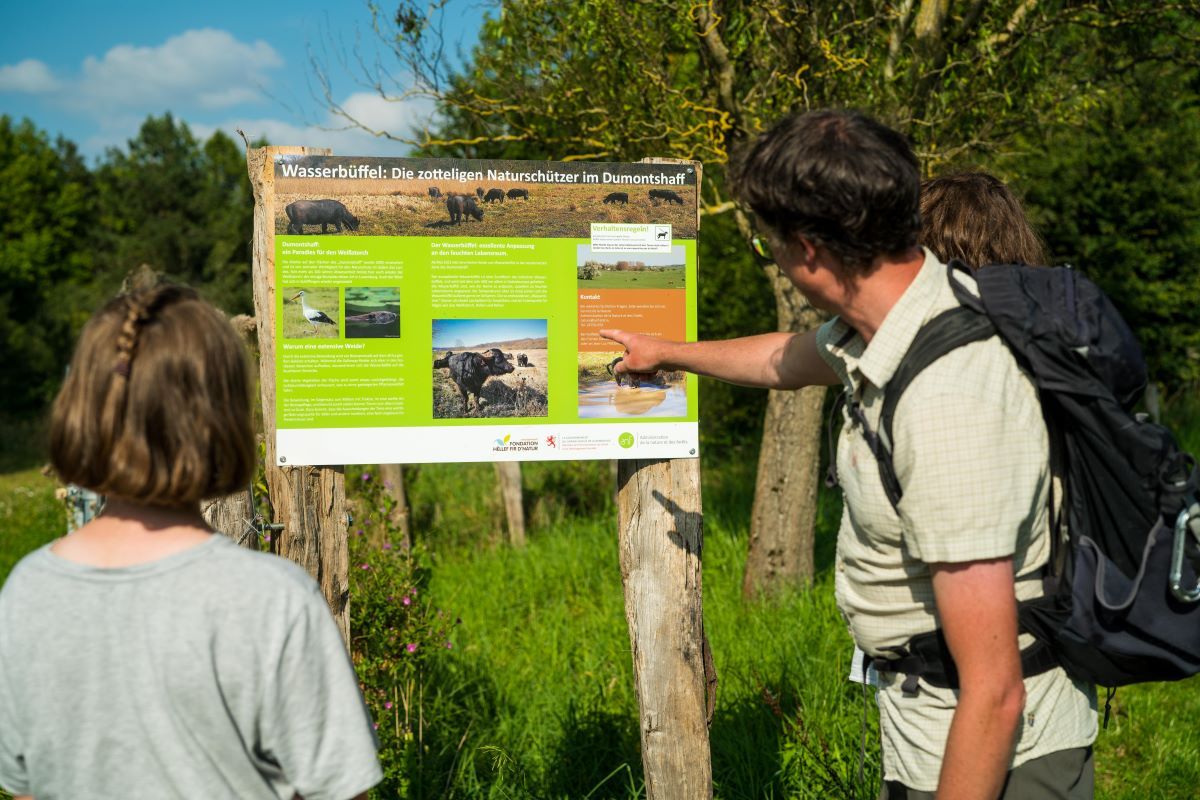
(947, 331)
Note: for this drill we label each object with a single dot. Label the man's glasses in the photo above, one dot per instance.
(761, 250)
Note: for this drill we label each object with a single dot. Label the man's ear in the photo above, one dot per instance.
(805, 246)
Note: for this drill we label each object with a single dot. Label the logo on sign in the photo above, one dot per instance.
(625, 440)
(511, 445)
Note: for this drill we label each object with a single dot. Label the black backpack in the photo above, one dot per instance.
(1122, 604)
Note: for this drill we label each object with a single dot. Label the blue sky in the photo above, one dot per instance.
(471, 332)
(94, 71)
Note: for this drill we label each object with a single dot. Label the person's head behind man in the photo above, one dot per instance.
(838, 180)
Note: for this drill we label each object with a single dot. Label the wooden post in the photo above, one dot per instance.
(508, 474)
(392, 476)
(661, 535)
(232, 516)
(661, 538)
(310, 502)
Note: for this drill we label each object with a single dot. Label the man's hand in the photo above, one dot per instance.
(977, 605)
(767, 361)
(644, 355)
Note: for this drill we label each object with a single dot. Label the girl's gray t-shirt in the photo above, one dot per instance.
(217, 672)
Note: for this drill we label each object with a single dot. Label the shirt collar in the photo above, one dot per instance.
(877, 362)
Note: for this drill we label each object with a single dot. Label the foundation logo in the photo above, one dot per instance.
(625, 440)
(508, 444)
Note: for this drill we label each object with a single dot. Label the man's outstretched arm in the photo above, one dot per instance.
(768, 361)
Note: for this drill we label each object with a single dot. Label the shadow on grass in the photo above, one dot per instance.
(597, 755)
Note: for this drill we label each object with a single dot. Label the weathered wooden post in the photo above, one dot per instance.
(392, 476)
(661, 535)
(233, 516)
(309, 502)
(508, 475)
(661, 540)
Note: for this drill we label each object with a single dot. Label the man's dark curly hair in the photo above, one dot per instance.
(838, 178)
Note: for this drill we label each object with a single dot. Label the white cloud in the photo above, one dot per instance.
(204, 68)
(399, 118)
(29, 76)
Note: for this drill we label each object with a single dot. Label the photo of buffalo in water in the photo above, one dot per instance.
(372, 312)
(606, 392)
(478, 370)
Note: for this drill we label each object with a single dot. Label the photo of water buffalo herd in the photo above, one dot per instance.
(411, 208)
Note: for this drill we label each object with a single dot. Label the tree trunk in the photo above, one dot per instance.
(785, 493)
(661, 536)
(392, 476)
(508, 474)
(310, 502)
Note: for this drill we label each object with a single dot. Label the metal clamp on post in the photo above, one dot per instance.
(1187, 522)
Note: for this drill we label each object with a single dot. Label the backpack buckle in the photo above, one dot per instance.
(1187, 521)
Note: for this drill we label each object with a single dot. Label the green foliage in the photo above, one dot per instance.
(1118, 196)
(397, 634)
(183, 207)
(69, 236)
(46, 230)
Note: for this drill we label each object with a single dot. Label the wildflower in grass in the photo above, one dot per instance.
(388, 705)
(365, 566)
(366, 476)
(387, 545)
(406, 600)
(411, 647)
(449, 645)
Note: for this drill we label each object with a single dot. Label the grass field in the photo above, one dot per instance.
(551, 211)
(536, 699)
(326, 299)
(657, 278)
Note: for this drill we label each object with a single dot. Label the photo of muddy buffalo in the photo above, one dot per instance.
(607, 393)
(486, 368)
(372, 312)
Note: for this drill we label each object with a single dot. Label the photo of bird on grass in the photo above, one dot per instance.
(310, 313)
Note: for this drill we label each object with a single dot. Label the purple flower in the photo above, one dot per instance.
(366, 476)
(365, 566)
(406, 600)
(266, 537)
(375, 725)
(387, 545)
(411, 647)
(449, 645)
(388, 705)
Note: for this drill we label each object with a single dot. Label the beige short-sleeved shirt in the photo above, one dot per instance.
(972, 455)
